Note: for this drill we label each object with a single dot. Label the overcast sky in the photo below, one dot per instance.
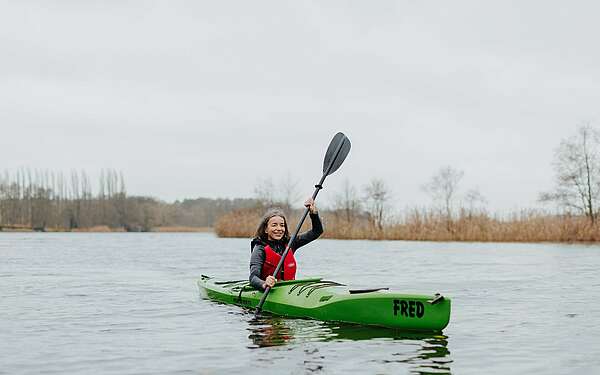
(193, 99)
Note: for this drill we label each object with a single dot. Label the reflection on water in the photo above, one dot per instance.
(269, 332)
(424, 353)
(127, 304)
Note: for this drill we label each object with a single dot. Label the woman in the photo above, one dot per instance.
(269, 244)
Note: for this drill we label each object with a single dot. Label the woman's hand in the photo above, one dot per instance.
(310, 203)
(270, 282)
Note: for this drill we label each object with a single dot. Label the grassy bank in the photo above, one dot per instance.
(430, 226)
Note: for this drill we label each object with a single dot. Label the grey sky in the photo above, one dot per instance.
(196, 99)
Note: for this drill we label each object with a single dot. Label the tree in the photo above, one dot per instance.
(377, 196)
(264, 191)
(283, 194)
(288, 192)
(577, 168)
(474, 198)
(443, 187)
(346, 203)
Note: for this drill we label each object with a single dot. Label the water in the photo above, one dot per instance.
(128, 304)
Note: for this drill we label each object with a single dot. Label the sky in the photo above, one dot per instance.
(206, 99)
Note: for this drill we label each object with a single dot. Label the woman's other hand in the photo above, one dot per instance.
(270, 282)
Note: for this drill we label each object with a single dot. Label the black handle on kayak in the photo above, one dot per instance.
(338, 149)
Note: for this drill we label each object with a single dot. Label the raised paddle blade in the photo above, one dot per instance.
(334, 157)
(336, 153)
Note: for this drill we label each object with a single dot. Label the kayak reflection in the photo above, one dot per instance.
(266, 332)
(430, 354)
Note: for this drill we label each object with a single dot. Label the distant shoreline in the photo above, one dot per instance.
(177, 229)
(104, 229)
(525, 229)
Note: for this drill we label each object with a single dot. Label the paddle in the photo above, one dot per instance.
(338, 149)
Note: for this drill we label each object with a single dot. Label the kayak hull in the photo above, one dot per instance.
(325, 300)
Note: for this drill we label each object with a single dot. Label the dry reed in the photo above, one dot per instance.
(424, 225)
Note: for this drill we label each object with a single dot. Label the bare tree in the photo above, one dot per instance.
(577, 168)
(264, 191)
(3, 188)
(377, 196)
(120, 199)
(288, 192)
(473, 198)
(75, 212)
(443, 188)
(347, 203)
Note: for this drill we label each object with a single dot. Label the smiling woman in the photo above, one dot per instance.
(269, 244)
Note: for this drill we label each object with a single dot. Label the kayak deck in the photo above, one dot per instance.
(320, 299)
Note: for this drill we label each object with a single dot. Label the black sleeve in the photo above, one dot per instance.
(257, 258)
(311, 235)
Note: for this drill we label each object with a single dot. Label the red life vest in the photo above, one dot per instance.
(271, 261)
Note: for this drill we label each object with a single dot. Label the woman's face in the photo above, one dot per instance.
(275, 228)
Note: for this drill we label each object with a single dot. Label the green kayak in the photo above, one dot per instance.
(325, 300)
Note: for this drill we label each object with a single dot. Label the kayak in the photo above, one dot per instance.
(316, 298)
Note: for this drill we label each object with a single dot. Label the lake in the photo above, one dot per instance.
(127, 303)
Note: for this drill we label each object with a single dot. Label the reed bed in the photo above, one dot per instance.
(243, 223)
(424, 225)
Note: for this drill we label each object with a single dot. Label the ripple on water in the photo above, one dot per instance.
(128, 304)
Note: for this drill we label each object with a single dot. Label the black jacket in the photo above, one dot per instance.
(257, 258)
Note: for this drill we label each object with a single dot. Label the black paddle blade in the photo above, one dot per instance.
(336, 153)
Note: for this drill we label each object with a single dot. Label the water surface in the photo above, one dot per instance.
(127, 303)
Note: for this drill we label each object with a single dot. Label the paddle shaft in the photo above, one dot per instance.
(318, 187)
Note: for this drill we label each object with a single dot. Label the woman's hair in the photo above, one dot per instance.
(260, 231)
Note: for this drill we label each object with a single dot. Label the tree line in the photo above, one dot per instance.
(456, 213)
(47, 200)
(44, 199)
